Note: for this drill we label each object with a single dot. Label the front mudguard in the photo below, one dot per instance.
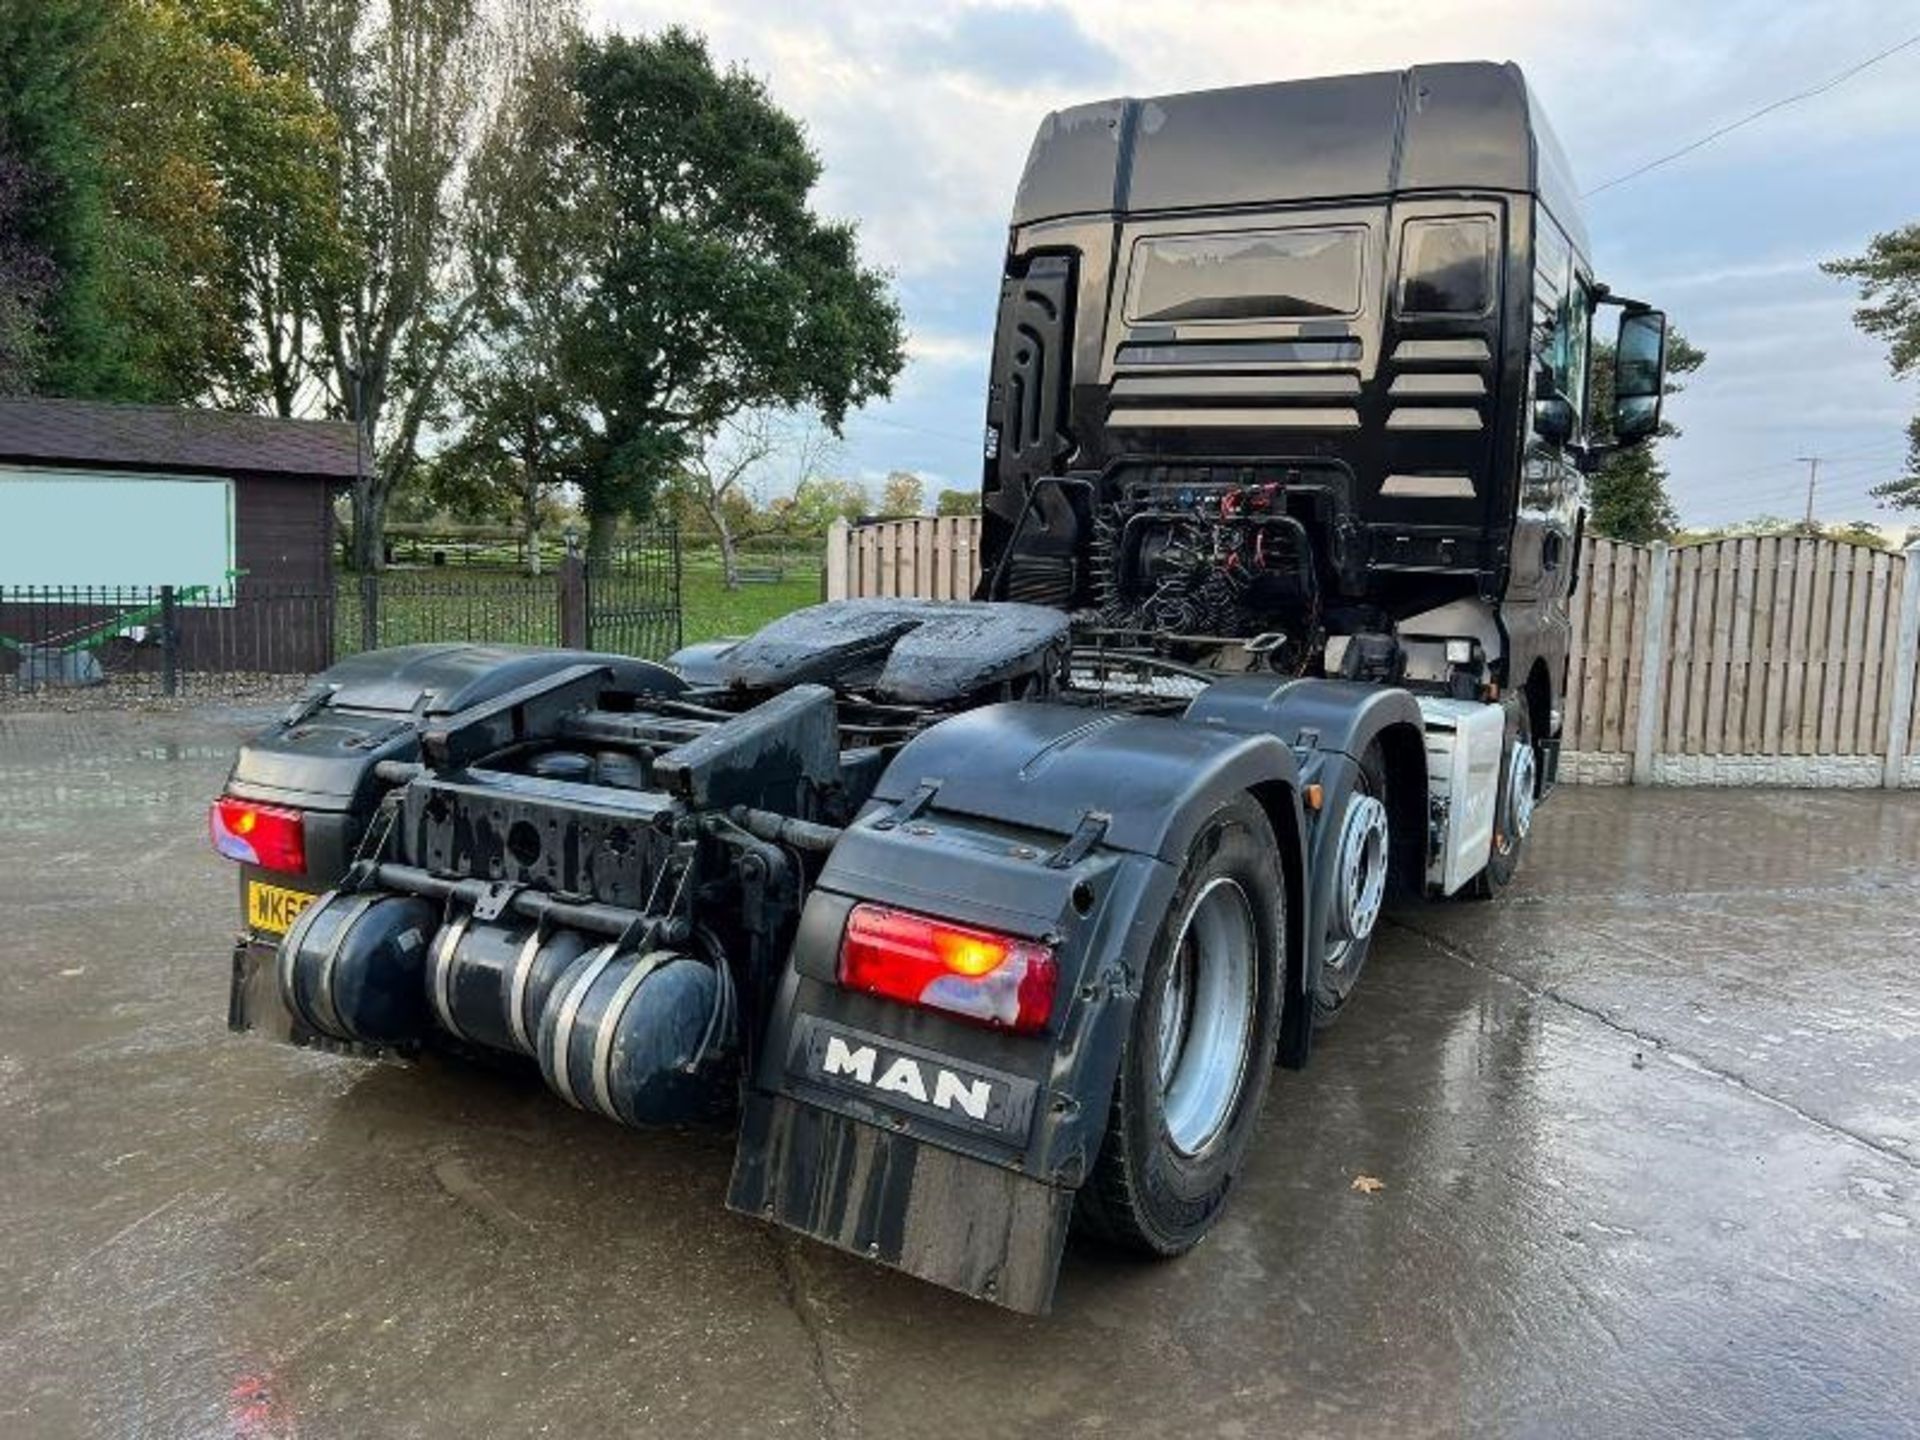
(1329, 725)
(1010, 845)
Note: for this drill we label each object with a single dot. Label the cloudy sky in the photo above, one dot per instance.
(923, 112)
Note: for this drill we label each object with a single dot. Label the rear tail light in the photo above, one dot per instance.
(993, 979)
(264, 835)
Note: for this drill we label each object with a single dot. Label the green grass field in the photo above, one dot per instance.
(712, 610)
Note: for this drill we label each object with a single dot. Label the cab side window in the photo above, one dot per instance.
(1576, 325)
(1562, 318)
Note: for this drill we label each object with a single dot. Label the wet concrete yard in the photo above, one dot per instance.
(1648, 1132)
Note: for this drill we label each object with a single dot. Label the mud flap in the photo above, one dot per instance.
(963, 1223)
(253, 994)
(254, 1005)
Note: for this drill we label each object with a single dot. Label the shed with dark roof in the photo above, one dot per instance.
(279, 479)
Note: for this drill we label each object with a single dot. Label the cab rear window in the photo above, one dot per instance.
(1446, 267)
(1247, 275)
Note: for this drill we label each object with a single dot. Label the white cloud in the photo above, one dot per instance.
(930, 348)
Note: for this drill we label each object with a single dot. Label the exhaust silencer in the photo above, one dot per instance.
(642, 1039)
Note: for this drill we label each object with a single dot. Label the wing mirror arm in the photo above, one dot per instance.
(1588, 459)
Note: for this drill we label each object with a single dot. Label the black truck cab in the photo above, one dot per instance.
(1304, 363)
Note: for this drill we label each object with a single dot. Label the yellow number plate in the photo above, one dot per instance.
(273, 908)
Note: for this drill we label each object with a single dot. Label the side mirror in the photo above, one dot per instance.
(1639, 374)
(1553, 419)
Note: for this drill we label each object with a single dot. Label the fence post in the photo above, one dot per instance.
(370, 611)
(838, 540)
(1653, 656)
(169, 644)
(573, 601)
(1904, 662)
(679, 588)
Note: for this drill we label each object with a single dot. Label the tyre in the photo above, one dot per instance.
(1198, 1057)
(1513, 809)
(1362, 858)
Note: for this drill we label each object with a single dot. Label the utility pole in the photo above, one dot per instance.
(1812, 462)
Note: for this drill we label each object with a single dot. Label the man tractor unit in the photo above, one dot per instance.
(987, 918)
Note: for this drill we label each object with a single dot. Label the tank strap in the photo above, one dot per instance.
(442, 972)
(288, 953)
(323, 983)
(610, 1024)
(559, 1073)
(517, 990)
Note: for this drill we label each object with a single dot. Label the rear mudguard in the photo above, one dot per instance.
(1329, 724)
(1048, 822)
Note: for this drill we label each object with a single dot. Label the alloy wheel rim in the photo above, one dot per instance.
(1206, 1016)
(1522, 777)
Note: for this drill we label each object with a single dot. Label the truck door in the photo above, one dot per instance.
(1550, 483)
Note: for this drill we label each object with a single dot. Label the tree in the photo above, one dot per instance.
(525, 428)
(1888, 276)
(816, 503)
(455, 488)
(1627, 497)
(904, 494)
(159, 150)
(402, 81)
(1851, 532)
(59, 336)
(221, 208)
(517, 453)
(28, 278)
(714, 480)
(275, 147)
(162, 255)
(711, 287)
(1858, 532)
(957, 502)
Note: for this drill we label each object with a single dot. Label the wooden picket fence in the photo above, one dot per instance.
(931, 557)
(1779, 659)
(1774, 646)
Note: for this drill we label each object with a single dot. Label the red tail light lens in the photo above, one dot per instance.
(265, 835)
(993, 979)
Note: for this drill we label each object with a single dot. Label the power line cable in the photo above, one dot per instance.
(1832, 498)
(1856, 492)
(1788, 487)
(917, 429)
(1883, 449)
(1882, 445)
(1764, 110)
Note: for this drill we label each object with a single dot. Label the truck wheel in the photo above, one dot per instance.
(1359, 886)
(1513, 809)
(1195, 1066)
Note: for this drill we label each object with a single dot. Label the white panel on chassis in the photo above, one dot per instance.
(1464, 743)
(1424, 637)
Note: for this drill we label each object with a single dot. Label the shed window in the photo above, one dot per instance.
(1446, 267)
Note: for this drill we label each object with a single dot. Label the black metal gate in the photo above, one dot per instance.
(633, 599)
